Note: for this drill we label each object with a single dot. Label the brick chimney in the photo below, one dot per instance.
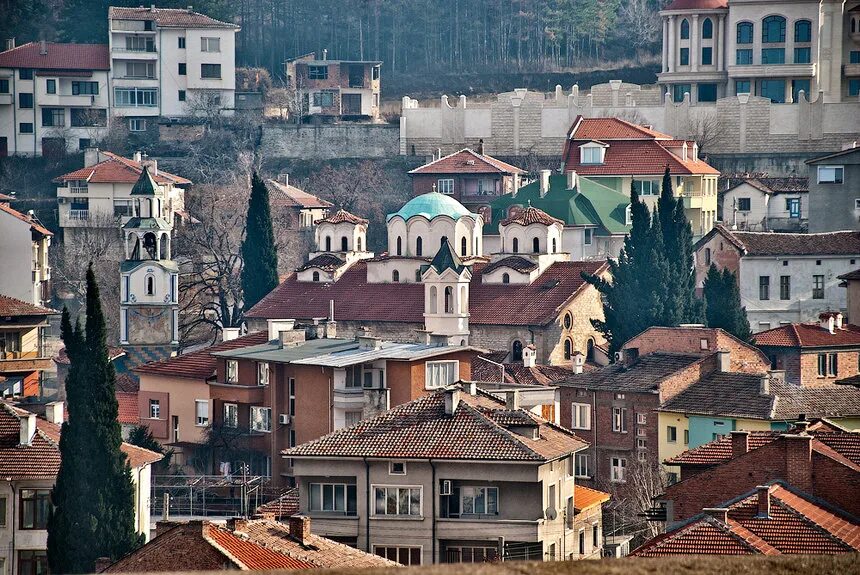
(300, 528)
(798, 461)
(237, 524)
(763, 501)
(740, 443)
(719, 513)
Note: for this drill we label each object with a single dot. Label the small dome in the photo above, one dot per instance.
(432, 205)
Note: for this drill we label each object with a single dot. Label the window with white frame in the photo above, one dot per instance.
(580, 416)
(479, 500)
(591, 154)
(261, 419)
(641, 443)
(641, 432)
(136, 97)
(154, 408)
(3, 505)
(262, 373)
(647, 187)
(619, 419)
(232, 371)
(830, 174)
(291, 384)
(201, 411)
(231, 415)
(582, 467)
(445, 186)
(441, 373)
(137, 125)
(394, 501)
(399, 553)
(351, 418)
(641, 418)
(618, 469)
(210, 44)
(396, 468)
(335, 497)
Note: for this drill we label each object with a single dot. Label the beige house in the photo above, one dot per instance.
(767, 204)
(24, 255)
(23, 351)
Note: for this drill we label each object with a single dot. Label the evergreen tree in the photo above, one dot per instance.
(723, 303)
(93, 495)
(84, 21)
(259, 253)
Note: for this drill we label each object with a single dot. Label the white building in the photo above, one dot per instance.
(100, 193)
(713, 49)
(53, 97)
(783, 278)
(170, 62)
(24, 244)
(767, 204)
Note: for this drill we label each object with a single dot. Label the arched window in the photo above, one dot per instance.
(419, 246)
(567, 349)
(149, 284)
(516, 246)
(395, 276)
(589, 350)
(803, 31)
(553, 245)
(517, 350)
(464, 301)
(358, 244)
(316, 276)
(432, 307)
(344, 244)
(773, 30)
(506, 278)
(464, 245)
(328, 243)
(685, 29)
(745, 32)
(707, 29)
(399, 246)
(536, 245)
(150, 245)
(449, 300)
(568, 320)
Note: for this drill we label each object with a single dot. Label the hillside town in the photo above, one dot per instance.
(259, 311)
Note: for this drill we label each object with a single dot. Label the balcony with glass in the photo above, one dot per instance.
(512, 510)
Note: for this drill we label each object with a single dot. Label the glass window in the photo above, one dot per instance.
(581, 469)
(707, 92)
(647, 187)
(707, 56)
(232, 371)
(773, 89)
(231, 415)
(773, 56)
(291, 384)
(25, 100)
(210, 44)
(122, 208)
(3, 506)
(154, 408)
(412, 555)
(830, 174)
(707, 29)
(588, 234)
(685, 56)
(803, 31)
(261, 419)
(323, 99)
(744, 56)
(137, 125)
(580, 416)
(818, 287)
(853, 58)
(210, 70)
(445, 186)
(685, 29)
(619, 419)
(25, 73)
(567, 348)
(784, 287)
(744, 204)
(181, 45)
(441, 373)
(479, 500)
(678, 91)
(85, 88)
(181, 95)
(797, 86)
(618, 466)
(4, 85)
(854, 87)
(764, 287)
(773, 29)
(262, 373)
(671, 434)
(88, 117)
(339, 497)
(53, 117)
(51, 86)
(35, 508)
(201, 411)
(832, 364)
(822, 364)
(591, 155)
(745, 33)
(318, 72)
(397, 501)
(803, 56)
(183, 69)
(32, 562)
(134, 97)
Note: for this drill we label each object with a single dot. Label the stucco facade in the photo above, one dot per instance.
(748, 207)
(834, 191)
(24, 257)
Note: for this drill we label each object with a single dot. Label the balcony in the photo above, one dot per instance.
(79, 215)
(22, 361)
(359, 398)
(237, 393)
(126, 54)
(6, 99)
(850, 71)
(81, 100)
(525, 530)
(772, 71)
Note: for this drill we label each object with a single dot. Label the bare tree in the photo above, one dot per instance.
(641, 23)
(205, 104)
(706, 130)
(644, 480)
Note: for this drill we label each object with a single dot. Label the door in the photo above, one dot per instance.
(793, 207)
(4, 147)
(351, 104)
(175, 420)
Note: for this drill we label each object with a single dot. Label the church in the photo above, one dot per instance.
(434, 282)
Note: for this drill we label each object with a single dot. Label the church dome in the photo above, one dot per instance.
(432, 205)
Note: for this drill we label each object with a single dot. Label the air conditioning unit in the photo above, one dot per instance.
(284, 419)
(446, 487)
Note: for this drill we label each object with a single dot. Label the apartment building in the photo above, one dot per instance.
(24, 256)
(713, 49)
(23, 350)
(834, 188)
(456, 476)
(334, 89)
(767, 204)
(169, 62)
(100, 196)
(53, 97)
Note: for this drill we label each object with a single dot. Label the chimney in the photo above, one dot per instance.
(578, 361)
(740, 443)
(798, 460)
(838, 320)
(827, 320)
(325, 54)
(764, 384)
(103, 563)
(43, 48)
(544, 182)
(512, 400)
(763, 501)
(153, 166)
(529, 354)
(481, 146)
(438, 154)
(275, 326)
(571, 179)
(452, 400)
(10, 43)
(27, 429)
(237, 524)
(54, 412)
(91, 157)
(229, 333)
(724, 364)
(284, 179)
(721, 514)
(330, 329)
(137, 157)
(285, 337)
(300, 528)
(190, 8)
(801, 426)
(438, 339)
(369, 342)
(517, 183)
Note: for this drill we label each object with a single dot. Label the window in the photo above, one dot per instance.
(744, 56)
(679, 91)
(818, 287)
(181, 45)
(581, 542)
(832, 364)
(773, 89)
(587, 236)
(154, 408)
(745, 33)
(830, 174)
(619, 419)
(139, 44)
(261, 419)
(634, 353)
(707, 92)
(25, 73)
(50, 86)
(506, 278)
(85, 88)
(315, 276)
(785, 287)
(595, 536)
(853, 58)
(822, 364)
(517, 350)
(773, 29)
(181, 95)
(479, 500)
(764, 287)
(35, 508)
(351, 418)
(210, 70)
(397, 501)
(803, 31)
(685, 29)
(419, 246)
(201, 410)
(396, 468)
(803, 56)
(854, 86)
(567, 349)
(137, 125)
(136, 97)
(323, 99)
(262, 373)
(641, 443)
(3, 506)
(231, 415)
(773, 56)
(4, 86)
(464, 246)
(210, 44)
(53, 117)
(641, 432)
(707, 29)
(338, 497)
(792, 206)
(318, 72)
(291, 384)
(88, 117)
(122, 208)
(686, 437)
(647, 187)
(581, 469)
(445, 185)
(374, 73)
(641, 418)
(591, 154)
(441, 373)
(568, 320)
(580, 416)
(671, 434)
(25, 100)
(618, 467)
(707, 56)
(685, 56)
(707, 256)
(32, 562)
(232, 371)
(412, 555)
(536, 245)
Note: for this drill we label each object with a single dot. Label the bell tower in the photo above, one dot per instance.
(149, 279)
(446, 296)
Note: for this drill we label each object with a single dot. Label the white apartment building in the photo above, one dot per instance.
(53, 97)
(24, 244)
(99, 195)
(171, 63)
(718, 48)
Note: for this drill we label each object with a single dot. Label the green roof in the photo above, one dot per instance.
(446, 258)
(147, 224)
(145, 185)
(432, 205)
(589, 204)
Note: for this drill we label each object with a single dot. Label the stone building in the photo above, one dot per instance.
(334, 89)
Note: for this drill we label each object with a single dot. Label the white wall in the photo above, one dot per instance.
(16, 258)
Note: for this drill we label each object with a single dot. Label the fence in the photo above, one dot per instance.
(210, 495)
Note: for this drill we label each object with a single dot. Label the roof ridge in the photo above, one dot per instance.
(508, 435)
(751, 539)
(803, 517)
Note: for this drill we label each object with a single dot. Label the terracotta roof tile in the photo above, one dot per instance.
(250, 554)
(10, 306)
(168, 17)
(585, 497)
(284, 506)
(342, 216)
(327, 262)
(518, 373)
(119, 170)
(198, 364)
(697, 4)
(35, 224)
(643, 375)
(467, 161)
(769, 185)
(128, 410)
(790, 244)
(612, 129)
(517, 263)
(58, 57)
(531, 215)
(808, 335)
(285, 195)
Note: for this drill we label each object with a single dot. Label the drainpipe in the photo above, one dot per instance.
(433, 503)
(594, 430)
(12, 555)
(367, 502)
(15, 122)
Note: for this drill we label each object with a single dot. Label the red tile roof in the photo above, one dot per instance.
(356, 299)
(697, 5)
(284, 506)
(10, 306)
(35, 224)
(128, 410)
(518, 373)
(198, 364)
(467, 161)
(119, 170)
(808, 335)
(517, 263)
(531, 215)
(326, 262)
(585, 497)
(58, 57)
(604, 129)
(795, 524)
(285, 195)
(250, 555)
(342, 216)
(789, 244)
(168, 17)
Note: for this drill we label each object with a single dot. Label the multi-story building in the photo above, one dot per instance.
(23, 351)
(834, 189)
(99, 195)
(24, 256)
(53, 97)
(29, 463)
(716, 48)
(457, 476)
(783, 278)
(334, 89)
(169, 62)
(767, 204)
(621, 155)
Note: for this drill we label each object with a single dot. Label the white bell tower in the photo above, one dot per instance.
(446, 296)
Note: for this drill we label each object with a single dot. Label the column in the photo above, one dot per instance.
(719, 42)
(672, 50)
(665, 67)
(694, 44)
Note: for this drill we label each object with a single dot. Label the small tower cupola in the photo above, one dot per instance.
(341, 232)
(446, 296)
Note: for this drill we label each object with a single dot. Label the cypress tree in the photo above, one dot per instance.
(93, 495)
(723, 303)
(259, 252)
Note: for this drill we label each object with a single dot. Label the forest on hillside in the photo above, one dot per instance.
(411, 37)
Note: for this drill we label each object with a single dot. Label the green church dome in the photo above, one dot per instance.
(432, 205)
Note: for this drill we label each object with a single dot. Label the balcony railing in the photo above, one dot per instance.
(79, 214)
(78, 189)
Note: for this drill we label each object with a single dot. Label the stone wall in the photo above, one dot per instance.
(327, 142)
